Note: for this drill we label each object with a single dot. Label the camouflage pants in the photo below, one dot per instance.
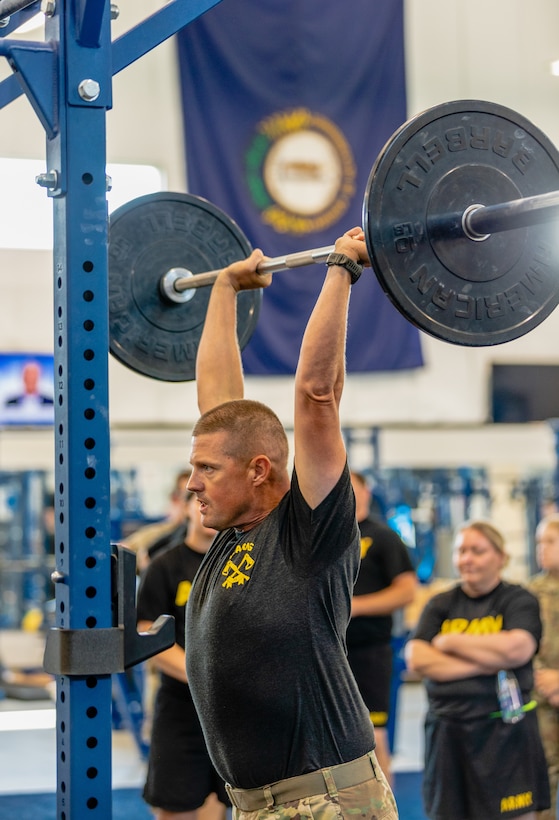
(548, 722)
(372, 800)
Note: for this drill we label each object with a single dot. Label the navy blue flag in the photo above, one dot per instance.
(286, 105)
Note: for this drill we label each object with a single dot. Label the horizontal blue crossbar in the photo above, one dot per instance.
(130, 46)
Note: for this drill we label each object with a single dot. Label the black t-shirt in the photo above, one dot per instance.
(265, 643)
(384, 556)
(165, 542)
(508, 606)
(165, 589)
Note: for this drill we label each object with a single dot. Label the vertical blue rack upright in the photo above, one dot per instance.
(67, 79)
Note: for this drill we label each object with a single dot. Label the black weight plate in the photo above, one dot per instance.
(147, 237)
(439, 163)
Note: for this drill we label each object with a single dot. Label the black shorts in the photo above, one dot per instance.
(483, 769)
(180, 773)
(372, 669)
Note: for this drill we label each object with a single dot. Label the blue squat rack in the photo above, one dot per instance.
(67, 78)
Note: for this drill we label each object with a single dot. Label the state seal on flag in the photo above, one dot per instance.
(300, 171)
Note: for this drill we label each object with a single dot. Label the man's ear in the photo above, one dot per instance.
(261, 467)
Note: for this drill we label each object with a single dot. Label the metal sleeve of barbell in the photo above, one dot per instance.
(518, 213)
(478, 222)
(272, 265)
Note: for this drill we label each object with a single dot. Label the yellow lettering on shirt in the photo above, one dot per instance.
(243, 547)
(516, 801)
(366, 544)
(183, 593)
(379, 718)
(489, 625)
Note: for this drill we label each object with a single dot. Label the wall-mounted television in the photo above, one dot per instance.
(26, 389)
(524, 392)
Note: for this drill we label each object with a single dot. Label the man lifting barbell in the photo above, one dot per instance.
(268, 610)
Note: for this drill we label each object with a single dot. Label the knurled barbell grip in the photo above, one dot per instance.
(273, 265)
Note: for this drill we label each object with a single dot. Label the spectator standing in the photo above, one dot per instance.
(386, 583)
(181, 782)
(482, 759)
(545, 585)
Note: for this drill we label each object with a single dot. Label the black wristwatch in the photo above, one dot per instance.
(355, 269)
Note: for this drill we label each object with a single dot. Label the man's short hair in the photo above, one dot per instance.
(252, 428)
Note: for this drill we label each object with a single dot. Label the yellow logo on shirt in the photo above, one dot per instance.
(238, 572)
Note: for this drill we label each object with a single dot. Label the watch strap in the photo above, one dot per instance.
(355, 269)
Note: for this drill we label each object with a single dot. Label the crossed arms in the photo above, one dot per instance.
(460, 655)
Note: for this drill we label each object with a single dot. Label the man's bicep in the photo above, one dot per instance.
(319, 449)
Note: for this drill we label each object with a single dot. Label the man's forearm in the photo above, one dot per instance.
(322, 358)
(319, 446)
(219, 375)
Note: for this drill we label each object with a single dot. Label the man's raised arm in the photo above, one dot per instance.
(319, 447)
(219, 373)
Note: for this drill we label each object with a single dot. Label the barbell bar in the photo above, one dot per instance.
(458, 216)
(477, 223)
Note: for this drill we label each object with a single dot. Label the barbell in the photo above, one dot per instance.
(459, 220)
